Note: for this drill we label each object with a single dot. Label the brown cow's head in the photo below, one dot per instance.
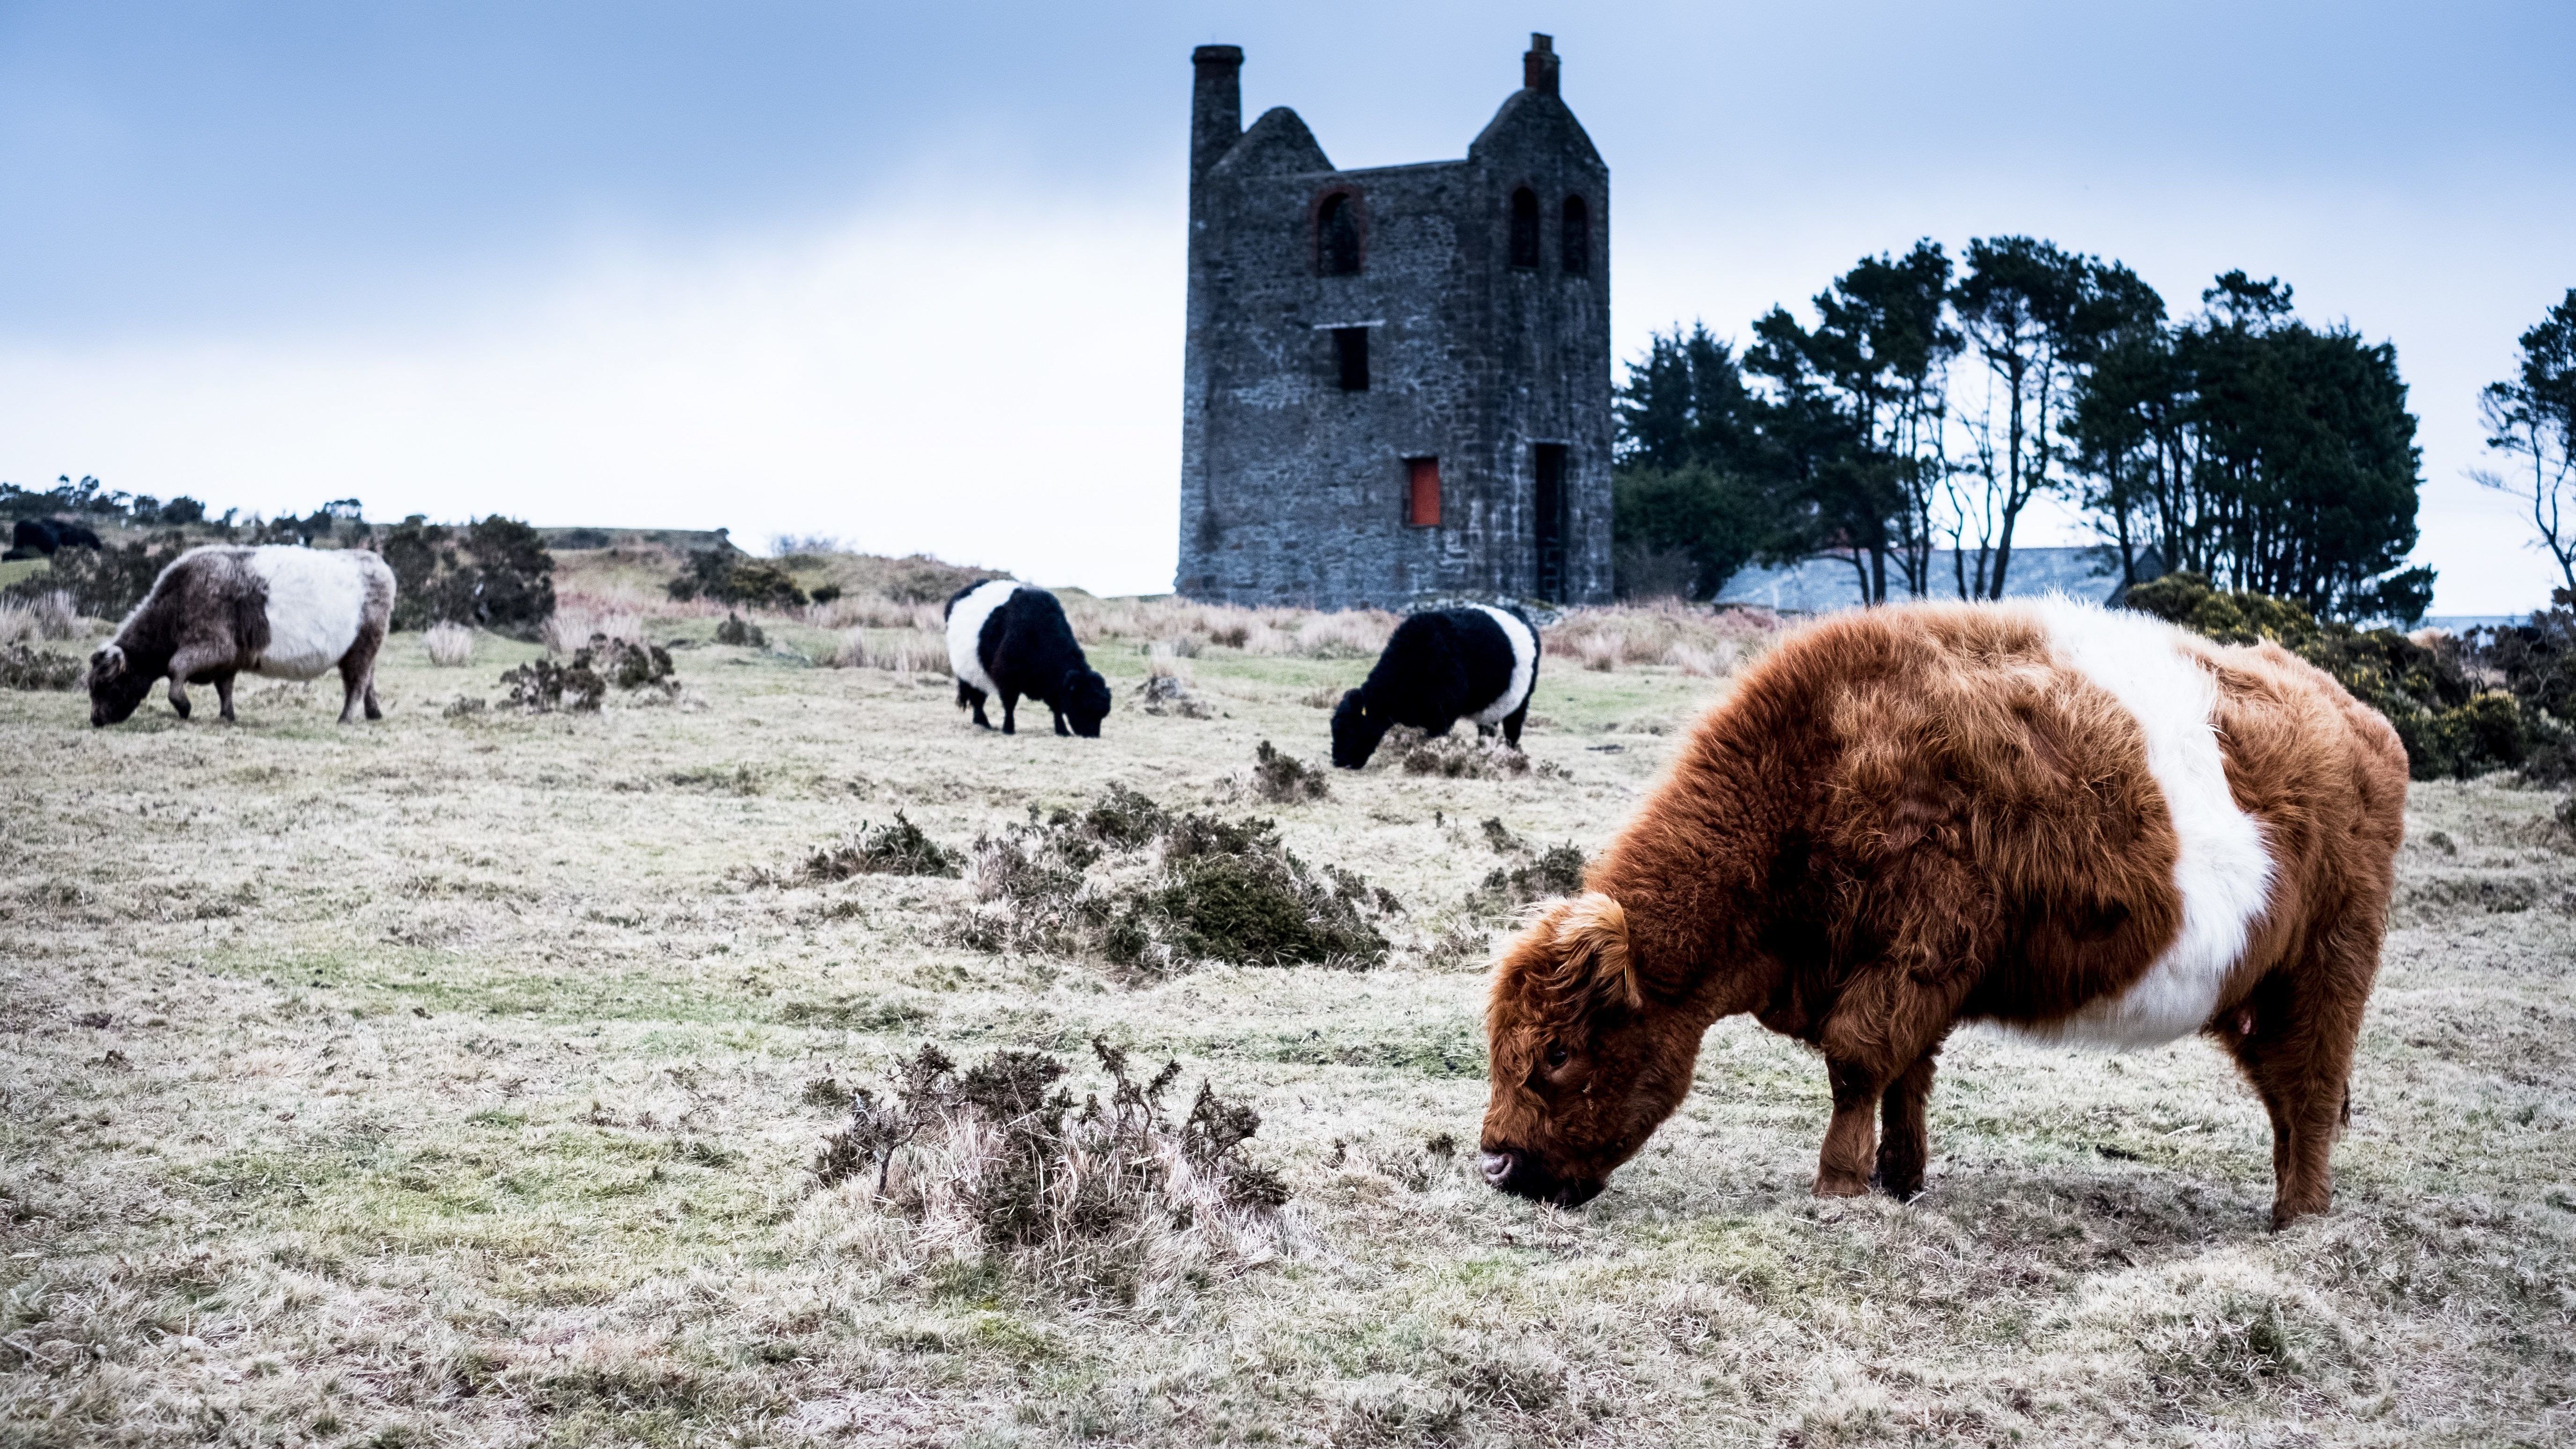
(1584, 1066)
(115, 686)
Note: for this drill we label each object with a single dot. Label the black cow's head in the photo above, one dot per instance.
(1086, 701)
(115, 687)
(1357, 730)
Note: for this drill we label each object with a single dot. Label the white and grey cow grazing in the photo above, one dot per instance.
(286, 613)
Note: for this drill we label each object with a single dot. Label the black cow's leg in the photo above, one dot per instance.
(224, 695)
(1059, 720)
(179, 693)
(1010, 712)
(1512, 725)
(973, 698)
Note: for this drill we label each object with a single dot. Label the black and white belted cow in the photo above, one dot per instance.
(286, 613)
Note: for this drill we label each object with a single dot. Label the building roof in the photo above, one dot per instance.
(1822, 584)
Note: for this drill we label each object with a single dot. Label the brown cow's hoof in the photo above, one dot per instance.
(1844, 1184)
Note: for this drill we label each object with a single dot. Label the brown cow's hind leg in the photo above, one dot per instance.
(224, 696)
(2299, 1058)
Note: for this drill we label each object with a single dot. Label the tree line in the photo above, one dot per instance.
(1909, 425)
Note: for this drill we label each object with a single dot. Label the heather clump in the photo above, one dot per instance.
(1148, 890)
(899, 848)
(2463, 706)
(23, 666)
(1119, 1199)
(1283, 779)
(1528, 874)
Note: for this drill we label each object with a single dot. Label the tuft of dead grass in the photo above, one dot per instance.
(451, 645)
(904, 652)
(49, 616)
(1697, 639)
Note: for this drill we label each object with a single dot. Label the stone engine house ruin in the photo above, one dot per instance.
(1397, 380)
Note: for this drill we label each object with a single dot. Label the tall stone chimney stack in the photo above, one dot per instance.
(1216, 105)
(1538, 64)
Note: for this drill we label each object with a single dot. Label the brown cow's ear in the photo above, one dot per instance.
(1594, 968)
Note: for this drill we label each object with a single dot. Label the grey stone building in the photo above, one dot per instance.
(1397, 380)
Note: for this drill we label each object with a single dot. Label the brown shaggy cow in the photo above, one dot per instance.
(2083, 825)
(288, 613)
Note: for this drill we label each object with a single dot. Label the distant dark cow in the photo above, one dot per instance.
(1007, 638)
(1477, 663)
(287, 613)
(34, 536)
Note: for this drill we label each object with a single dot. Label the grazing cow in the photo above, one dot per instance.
(288, 613)
(42, 536)
(1010, 638)
(1477, 663)
(2081, 825)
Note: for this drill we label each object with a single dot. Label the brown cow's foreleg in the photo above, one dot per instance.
(1843, 1170)
(224, 696)
(1905, 1146)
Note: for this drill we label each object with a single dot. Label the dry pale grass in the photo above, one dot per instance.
(1696, 639)
(900, 651)
(450, 1081)
(48, 616)
(450, 645)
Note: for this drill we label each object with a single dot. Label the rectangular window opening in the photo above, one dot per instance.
(1422, 500)
(1350, 349)
(1548, 531)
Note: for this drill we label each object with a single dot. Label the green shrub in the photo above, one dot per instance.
(1140, 887)
(23, 666)
(1284, 779)
(897, 849)
(494, 573)
(727, 576)
(2438, 695)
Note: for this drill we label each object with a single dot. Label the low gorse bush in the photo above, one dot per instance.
(541, 686)
(1113, 1199)
(1283, 779)
(728, 576)
(1529, 875)
(1462, 755)
(739, 631)
(1156, 892)
(2493, 699)
(900, 848)
(23, 666)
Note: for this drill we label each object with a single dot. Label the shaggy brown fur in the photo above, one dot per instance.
(206, 620)
(1911, 817)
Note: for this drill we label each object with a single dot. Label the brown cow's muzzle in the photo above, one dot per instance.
(1520, 1174)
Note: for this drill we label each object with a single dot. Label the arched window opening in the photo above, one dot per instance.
(1576, 252)
(1337, 236)
(1525, 228)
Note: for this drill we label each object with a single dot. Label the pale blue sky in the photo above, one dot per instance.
(911, 275)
